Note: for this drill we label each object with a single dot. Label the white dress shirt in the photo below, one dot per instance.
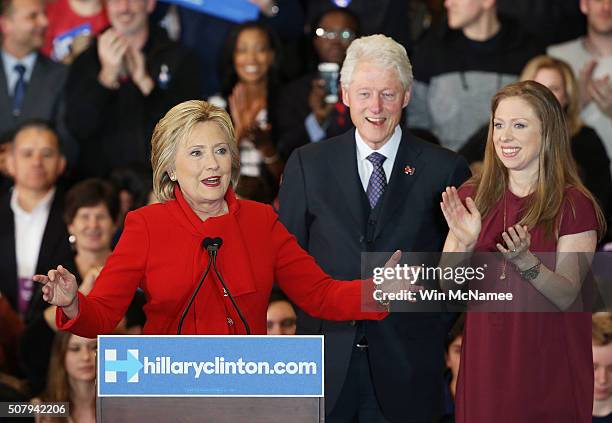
(29, 230)
(389, 150)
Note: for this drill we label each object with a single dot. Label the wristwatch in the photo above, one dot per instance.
(531, 273)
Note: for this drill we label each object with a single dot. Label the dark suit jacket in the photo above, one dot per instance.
(54, 250)
(43, 100)
(113, 127)
(321, 204)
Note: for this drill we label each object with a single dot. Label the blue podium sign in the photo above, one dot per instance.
(217, 366)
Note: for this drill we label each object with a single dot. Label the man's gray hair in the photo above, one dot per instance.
(381, 51)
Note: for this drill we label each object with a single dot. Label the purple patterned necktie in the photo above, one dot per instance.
(378, 179)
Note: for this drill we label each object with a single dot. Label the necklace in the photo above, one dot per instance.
(503, 272)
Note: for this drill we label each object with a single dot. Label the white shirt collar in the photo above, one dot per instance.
(29, 232)
(43, 206)
(9, 61)
(389, 149)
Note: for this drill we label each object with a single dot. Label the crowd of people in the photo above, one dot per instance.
(453, 127)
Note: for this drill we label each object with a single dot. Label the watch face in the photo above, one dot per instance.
(532, 273)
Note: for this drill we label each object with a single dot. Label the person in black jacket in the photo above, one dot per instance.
(91, 211)
(33, 236)
(302, 114)
(373, 189)
(122, 85)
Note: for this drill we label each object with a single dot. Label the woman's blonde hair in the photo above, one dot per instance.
(572, 110)
(602, 328)
(557, 169)
(174, 128)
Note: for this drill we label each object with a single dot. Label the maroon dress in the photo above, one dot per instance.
(527, 367)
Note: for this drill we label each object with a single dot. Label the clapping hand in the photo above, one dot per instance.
(600, 90)
(244, 113)
(112, 47)
(464, 223)
(584, 80)
(136, 66)
(516, 250)
(594, 89)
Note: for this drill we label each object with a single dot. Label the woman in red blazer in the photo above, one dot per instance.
(195, 160)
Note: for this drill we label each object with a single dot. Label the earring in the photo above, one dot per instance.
(172, 177)
(72, 241)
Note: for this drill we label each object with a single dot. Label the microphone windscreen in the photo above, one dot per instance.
(207, 242)
(219, 242)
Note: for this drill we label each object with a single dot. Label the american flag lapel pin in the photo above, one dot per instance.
(408, 170)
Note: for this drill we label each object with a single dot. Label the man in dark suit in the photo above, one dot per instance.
(374, 189)
(33, 236)
(31, 85)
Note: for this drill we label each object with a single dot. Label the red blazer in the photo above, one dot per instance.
(160, 252)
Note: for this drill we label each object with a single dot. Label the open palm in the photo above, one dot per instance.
(464, 223)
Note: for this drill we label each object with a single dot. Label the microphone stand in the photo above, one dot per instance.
(213, 252)
(212, 246)
(206, 243)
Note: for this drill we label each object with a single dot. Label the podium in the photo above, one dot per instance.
(210, 379)
(211, 410)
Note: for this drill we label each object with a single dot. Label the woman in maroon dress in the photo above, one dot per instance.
(526, 366)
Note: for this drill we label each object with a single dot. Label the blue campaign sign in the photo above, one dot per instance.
(237, 11)
(234, 366)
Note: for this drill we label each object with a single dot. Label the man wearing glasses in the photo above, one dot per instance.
(303, 114)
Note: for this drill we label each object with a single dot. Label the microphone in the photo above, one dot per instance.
(213, 247)
(212, 244)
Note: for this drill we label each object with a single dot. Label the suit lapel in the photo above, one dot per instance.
(36, 85)
(52, 236)
(51, 242)
(8, 285)
(6, 111)
(343, 161)
(401, 181)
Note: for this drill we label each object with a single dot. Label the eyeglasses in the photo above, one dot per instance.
(344, 35)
